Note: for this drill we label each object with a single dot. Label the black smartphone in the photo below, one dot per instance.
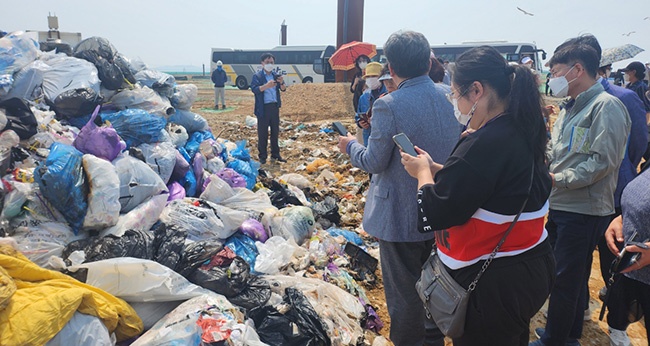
(338, 127)
(405, 144)
(624, 260)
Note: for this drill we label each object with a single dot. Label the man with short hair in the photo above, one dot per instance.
(418, 108)
(586, 149)
(219, 78)
(266, 85)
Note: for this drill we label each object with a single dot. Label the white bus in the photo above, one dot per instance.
(511, 51)
(298, 64)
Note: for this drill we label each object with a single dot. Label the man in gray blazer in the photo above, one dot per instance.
(419, 109)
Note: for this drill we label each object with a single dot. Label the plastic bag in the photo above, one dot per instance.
(133, 243)
(350, 236)
(203, 220)
(192, 122)
(229, 279)
(161, 157)
(274, 254)
(181, 167)
(83, 329)
(102, 54)
(136, 126)
(28, 82)
(241, 152)
(189, 183)
(104, 193)
(71, 86)
(138, 182)
(281, 196)
(178, 134)
(16, 51)
(244, 247)
(168, 243)
(295, 222)
(184, 96)
(62, 180)
(160, 82)
(327, 209)
(101, 141)
(254, 230)
(256, 293)
(195, 254)
(297, 324)
(141, 217)
(19, 117)
(40, 242)
(257, 203)
(296, 180)
(176, 191)
(193, 144)
(197, 168)
(143, 98)
(248, 169)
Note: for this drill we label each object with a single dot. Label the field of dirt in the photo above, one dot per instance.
(306, 109)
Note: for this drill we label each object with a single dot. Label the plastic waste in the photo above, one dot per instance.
(40, 242)
(281, 196)
(138, 182)
(193, 144)
(141, 217)
(184, 96)
(101, 141)
(83, 329)
(195, 254)
(16, 51)
(327, 209)
(293, 222)
(192, 122)
(231, 177)
(176, 191)
(350, 236)
(133, 243)
(28, 82)
(244, 247)
(274, 254)
(228, 279)
(63, 183)
(203, 220)
(136, 126)
(20, 117)
(143, 98)
(103, 55)
(104, 193)
(160, 82)
(161, 157)
(197, 167)
(181, 167)
(296, 180)
(248, 169)
(254, 230)
(250, 121)
(178, 134)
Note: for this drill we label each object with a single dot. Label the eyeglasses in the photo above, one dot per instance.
(452, 96)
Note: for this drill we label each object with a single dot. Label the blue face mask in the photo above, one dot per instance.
(219, 68)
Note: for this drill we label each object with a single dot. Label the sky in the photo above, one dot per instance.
(166, 32)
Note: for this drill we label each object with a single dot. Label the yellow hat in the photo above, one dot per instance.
(373, 69)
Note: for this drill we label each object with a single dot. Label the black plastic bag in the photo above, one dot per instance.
(281, 196)
(299, 325)
(256, 294)
(195, 254)
(168, 244)
(134, 243)
(362, 263)
(327, 209)
(19, 118)
(229, 280)
(76, 102)
(102, 54)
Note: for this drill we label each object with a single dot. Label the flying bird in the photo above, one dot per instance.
(525, 12)
(629, 33)
(646, 18)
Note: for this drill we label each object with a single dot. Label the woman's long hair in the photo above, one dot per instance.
(516, 85)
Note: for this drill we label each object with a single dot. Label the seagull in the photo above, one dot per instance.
(629, 33)
(646, 18)
(525, 12)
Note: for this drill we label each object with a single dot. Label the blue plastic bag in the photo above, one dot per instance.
(244, 247)
(192, 145)
(189, 183)
(350, 236)
(241, 152)
(62, 180)
(247, 169)
(136, 126)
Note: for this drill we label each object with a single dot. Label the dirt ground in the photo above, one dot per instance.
(306, 109)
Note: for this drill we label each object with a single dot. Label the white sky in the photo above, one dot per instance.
(166, 32)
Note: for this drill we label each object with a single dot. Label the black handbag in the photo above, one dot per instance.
(445, 301)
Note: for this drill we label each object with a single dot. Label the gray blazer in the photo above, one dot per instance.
(420, 110)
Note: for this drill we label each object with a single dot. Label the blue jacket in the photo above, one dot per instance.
(219, 78)
(637, 140)
(419, 109)
(259, 79)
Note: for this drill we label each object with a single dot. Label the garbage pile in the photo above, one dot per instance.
(124, 220)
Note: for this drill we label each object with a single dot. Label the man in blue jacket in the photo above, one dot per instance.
(219, 78)
(419, 109)
(266, 85)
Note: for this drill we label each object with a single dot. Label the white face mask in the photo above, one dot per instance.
(463, 119)
(373, 83)
(559, 85)
(362, 65)
(626, 78)
(268, 67)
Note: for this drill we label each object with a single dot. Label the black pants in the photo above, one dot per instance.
(626, 290)
(270, 119)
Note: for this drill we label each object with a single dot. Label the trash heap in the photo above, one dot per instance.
(124, 220)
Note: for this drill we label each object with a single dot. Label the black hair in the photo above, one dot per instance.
(358, 59)
(586, 55)
(266, 56)
(517, 85)
(437, 71)
(588, 39)
(408, 53)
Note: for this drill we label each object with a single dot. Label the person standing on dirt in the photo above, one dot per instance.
(587, 147)
(419, 109)
(266, 85)
(219, 78)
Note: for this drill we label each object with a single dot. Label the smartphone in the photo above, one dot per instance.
(405, 144)
(624, 260)
(338, 127)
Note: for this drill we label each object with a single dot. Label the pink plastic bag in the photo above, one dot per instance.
(101, 141)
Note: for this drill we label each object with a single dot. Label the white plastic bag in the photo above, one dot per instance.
(104, 194)
(274, 254)
(138, 182)
(40, 242)
(296, 180)
(145, 99)
(161, 157)
(184, 96)
(83, 329)
(295, 222)
(202, 219)
(141, 217)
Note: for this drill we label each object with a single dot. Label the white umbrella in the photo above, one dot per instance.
(620, 53)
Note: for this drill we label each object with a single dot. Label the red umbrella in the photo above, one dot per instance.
(344, 57)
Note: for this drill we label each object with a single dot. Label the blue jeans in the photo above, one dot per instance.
(573, 237)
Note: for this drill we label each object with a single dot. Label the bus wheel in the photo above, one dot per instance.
(307, 80)
(241, 83)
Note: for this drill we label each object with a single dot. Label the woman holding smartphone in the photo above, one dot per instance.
(472, 199)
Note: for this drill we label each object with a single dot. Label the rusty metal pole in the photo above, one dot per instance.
(349, 28)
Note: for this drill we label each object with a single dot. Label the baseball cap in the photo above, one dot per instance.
(385, 77)
(526, 60)
(219, 63)
(636, 66)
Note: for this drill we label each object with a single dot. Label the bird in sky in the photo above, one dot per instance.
(524, 11)
(629, 33)
(646, 18)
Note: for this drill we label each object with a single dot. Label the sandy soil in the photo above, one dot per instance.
(306, 109)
